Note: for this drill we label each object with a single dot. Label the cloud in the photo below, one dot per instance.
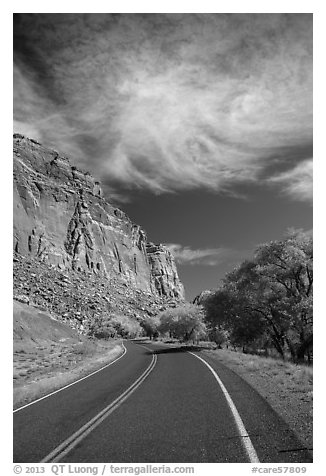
(185, 255)
(297, 182)
(166, 102)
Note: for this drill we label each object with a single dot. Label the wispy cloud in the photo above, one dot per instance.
(297, 182)
(206, 257)
(167, 102)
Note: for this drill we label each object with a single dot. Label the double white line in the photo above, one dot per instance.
(64, 448)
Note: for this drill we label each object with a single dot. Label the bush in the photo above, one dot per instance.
(150, 327)
(115, 326)
(218, 336)
(125, 326)
(184, 322)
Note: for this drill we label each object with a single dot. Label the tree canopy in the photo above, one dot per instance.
(184, 322)
(269, 298)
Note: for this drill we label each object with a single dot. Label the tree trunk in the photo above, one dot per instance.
(291, 349)
(309, 356)
(303, 348)
(278, 346)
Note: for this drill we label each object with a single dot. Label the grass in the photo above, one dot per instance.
(292, 376)
(286, 386)
(43, 372)
(48, 354)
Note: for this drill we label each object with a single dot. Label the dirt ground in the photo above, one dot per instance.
(42, 370)
(48, 354)
(287, 387)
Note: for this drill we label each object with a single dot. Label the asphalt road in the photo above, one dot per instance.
(174, 411)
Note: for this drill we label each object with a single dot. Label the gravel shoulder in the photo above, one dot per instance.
(288, 388)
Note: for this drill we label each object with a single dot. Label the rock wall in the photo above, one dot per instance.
(203, 296)
(62, 218)
(164, 271)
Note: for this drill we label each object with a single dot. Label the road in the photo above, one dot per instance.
(156, 404)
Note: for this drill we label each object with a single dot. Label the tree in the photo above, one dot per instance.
(288, 267)
(255, 306)
(126, 326)
(150, 326)
(228, 312)
(184, 322)
(217, 335)
(115, 325)
(269, 296)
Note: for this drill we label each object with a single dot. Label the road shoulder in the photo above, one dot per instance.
(59, 376)
(286, 387)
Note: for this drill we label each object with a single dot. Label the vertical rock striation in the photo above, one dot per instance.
(62, 218)
(164, 271)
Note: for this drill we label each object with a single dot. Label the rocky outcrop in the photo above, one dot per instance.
(164, 271)
(203, 296)
(62, 219)
(81, 299)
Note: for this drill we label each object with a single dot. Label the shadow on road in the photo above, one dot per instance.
(172, 348)
(183, 348)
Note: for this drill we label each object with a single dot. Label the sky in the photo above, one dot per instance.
(199, 126)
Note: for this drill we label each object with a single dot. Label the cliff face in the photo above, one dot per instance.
(164, 270)
(62, 218)
(203, 296)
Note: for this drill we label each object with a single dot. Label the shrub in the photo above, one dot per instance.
(184, 322)
(115, 325)
(150, 326)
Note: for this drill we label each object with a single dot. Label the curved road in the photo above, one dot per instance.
(155, 404)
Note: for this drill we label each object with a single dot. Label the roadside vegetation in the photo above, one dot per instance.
(265, 304)
(263, 307)
(44, 369)
(286, 386)
(184, 323)
(115, 325)
(49, 354)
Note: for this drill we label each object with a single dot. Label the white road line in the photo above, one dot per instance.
(246, 441)
(73, 383)
(66, 446)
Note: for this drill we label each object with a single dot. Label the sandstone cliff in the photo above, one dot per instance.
(62, 219)
(164, 270)
(203, 296)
